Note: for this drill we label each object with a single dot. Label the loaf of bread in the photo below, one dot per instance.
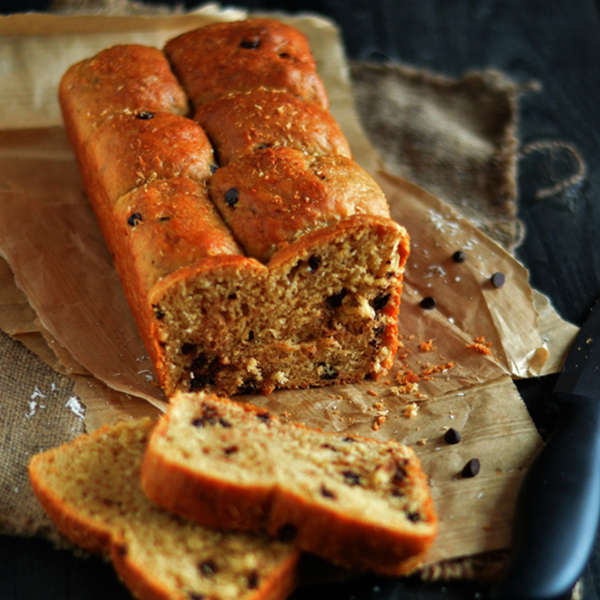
(91, 490)
(254, 253)
(357, 502)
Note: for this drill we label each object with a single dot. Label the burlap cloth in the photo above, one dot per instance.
(454, 137)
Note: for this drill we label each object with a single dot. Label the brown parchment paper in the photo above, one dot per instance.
(77, 319)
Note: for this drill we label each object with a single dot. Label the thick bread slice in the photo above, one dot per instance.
(91, 490)
(357, 502)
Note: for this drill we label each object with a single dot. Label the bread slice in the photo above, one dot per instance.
(90, 488)
(357, 502)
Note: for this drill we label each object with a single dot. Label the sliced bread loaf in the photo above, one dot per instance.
(354, 501)
(91, 490)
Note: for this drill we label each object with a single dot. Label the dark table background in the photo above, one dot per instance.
(553, 42)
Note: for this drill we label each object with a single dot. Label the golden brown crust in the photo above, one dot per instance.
(123, 78)
(224, 58)
(242, 123)
(132, 149)
(273, 196)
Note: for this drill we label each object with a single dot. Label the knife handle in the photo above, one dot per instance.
(558, 507)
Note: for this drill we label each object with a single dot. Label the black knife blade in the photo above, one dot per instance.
(558, 507)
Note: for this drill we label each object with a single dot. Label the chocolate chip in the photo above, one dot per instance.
(498, 279)
(265, 417)
(284, 55)
(327, 493)
(327, 371)
(208, 568)
(230, 450)
(203, 371)
(351, 477)
(158, 312)
(428, 303)
(253, 580)
(314, 262)
(287, 532)
(231, 197)
(163, 219)
(145, 115)
(250, 335)
(225, 423)
(188, 348)
(415, 517)
(459, 256)
(452, 436)
(335, 300)
(209, 416)
(248, 387)
(348, 439)
(122, 549)
(214, 168)
(381, 301)
(134, 219)
(329, 447)
(471, 468)
(196, 596)
(250, 44)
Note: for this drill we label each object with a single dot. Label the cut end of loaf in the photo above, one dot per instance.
(324, 311)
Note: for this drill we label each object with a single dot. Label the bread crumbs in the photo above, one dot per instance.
(481, 346)
(426, 346)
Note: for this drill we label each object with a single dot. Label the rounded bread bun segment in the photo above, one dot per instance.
(241, 56)
(241, 123)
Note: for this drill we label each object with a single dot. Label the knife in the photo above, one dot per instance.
(558, 507)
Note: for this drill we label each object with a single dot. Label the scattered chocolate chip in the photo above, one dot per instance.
(351, 477)
(327, 371)
(230, 450)
(459, 256)
(203, 371)
(144, 115)
(232, 297)
(452, 436)
(381, 301)
(208, 568)
(225, 423)
(214, 168)
(158, 312)
(326, 493)
(134, 219)
(231, 197)
(262, 146)
(284, 55)
(335, 300)
(248, 387)
(163, 219)
(348, 439)
(188, 348)
(428, 303)
(287, 532)
(122, 549)
(250, 44)
(471, 468)
(314, 262)
(250, 335)
(196, 596)
(498, 279)
(253, 580)
(397, 493)
(415, 517)
(265, 417)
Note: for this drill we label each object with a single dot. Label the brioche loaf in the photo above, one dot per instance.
(253, 251)
(355, 501)
(90, 488)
